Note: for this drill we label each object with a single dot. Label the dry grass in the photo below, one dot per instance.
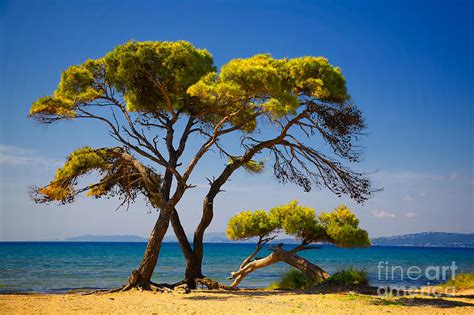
(462, 281)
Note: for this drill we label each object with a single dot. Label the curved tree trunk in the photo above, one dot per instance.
(214, 190)
(251, 267)
(193, 269)
(311, 270)
(142, 277)
(207, 215)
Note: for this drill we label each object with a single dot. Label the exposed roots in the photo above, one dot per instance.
(151, 286)
(213, 285)
(167, 285)
(134, 282)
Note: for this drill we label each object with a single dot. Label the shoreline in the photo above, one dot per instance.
(257, 301)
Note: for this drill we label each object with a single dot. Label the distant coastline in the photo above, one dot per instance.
(425, 239)
(428, 239)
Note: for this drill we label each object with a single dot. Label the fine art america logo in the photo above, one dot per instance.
(432, 274)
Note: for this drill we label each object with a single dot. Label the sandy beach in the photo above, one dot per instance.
(225, 302)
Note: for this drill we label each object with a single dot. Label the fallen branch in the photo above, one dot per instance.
(280, 255)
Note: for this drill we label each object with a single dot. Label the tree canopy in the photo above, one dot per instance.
(175, 76)
(339, 227)
(147, 81)
(150, 76)
(120, 174)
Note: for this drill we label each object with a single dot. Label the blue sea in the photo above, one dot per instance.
(62, 266)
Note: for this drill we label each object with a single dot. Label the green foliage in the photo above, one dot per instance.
(339, 227)
(261, 76)
(158, 80)
(249, 224)
(268, 85)
(107, 162)
(49, 105)
(252, 167)
(293, 279)
(461, 281)
(342, 228)
(148, 73)
(79, 162)
(154, 77)
(350, 276)
(151, 76)
(316, 77)
(296, 220)
(79, 84)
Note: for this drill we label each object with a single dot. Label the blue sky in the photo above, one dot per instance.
(408, 65)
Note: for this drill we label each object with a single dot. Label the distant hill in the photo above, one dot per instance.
(220, 237)
(106, 238)
(428, 239)
(211, 237)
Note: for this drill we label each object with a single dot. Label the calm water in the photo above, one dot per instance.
(57, 266)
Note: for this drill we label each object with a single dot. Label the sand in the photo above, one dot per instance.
(238, 302)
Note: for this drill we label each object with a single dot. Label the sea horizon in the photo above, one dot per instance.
(420, 239)
(233, 242)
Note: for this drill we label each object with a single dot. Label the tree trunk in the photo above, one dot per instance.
(207, 215)
(277, 255)
(251, 267)
(311, 270)
(193, 269)
(142, 277)
(208, 205)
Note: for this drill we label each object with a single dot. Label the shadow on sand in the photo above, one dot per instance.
(415, 301)
(362, 292)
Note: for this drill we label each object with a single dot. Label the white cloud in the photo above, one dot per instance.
(4, 148)
(382, 214)
(408, 175)
(411, 215)
(408, 198)
(453, 176)
(13, 155)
